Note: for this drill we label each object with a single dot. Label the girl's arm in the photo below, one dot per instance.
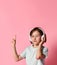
(39, 54)
(15, 54)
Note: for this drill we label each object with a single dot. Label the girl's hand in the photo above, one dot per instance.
(14, 41)
(42, 40)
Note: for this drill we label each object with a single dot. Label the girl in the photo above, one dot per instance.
(36, 52)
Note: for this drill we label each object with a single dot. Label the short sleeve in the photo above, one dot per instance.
(45, 52)
(23, 53)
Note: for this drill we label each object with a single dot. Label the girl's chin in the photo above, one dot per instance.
(35, 43)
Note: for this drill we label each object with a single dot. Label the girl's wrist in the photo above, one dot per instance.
(40, 44)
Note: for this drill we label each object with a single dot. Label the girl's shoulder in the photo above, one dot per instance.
(44, 48)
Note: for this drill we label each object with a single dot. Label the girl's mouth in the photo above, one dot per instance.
(35, 41)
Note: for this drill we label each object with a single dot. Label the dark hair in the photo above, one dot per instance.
(36, 29)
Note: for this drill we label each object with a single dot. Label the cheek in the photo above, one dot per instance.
(38, 38)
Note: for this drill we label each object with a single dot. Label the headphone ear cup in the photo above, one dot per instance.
(45, 38)
(30, 39)
(42, 36)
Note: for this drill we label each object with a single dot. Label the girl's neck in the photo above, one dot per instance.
(35, 46)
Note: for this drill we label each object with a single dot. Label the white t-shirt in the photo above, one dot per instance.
(30, 55)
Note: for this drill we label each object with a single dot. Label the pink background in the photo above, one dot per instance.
(18, 17)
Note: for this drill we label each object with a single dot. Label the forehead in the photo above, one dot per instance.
(36, 33)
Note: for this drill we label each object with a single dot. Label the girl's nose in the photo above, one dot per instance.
(34, 38)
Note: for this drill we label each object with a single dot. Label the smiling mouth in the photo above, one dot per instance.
(35, 41)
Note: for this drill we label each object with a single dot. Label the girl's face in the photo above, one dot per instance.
(36, 37)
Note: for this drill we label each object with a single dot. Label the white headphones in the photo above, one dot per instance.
(41, 36)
